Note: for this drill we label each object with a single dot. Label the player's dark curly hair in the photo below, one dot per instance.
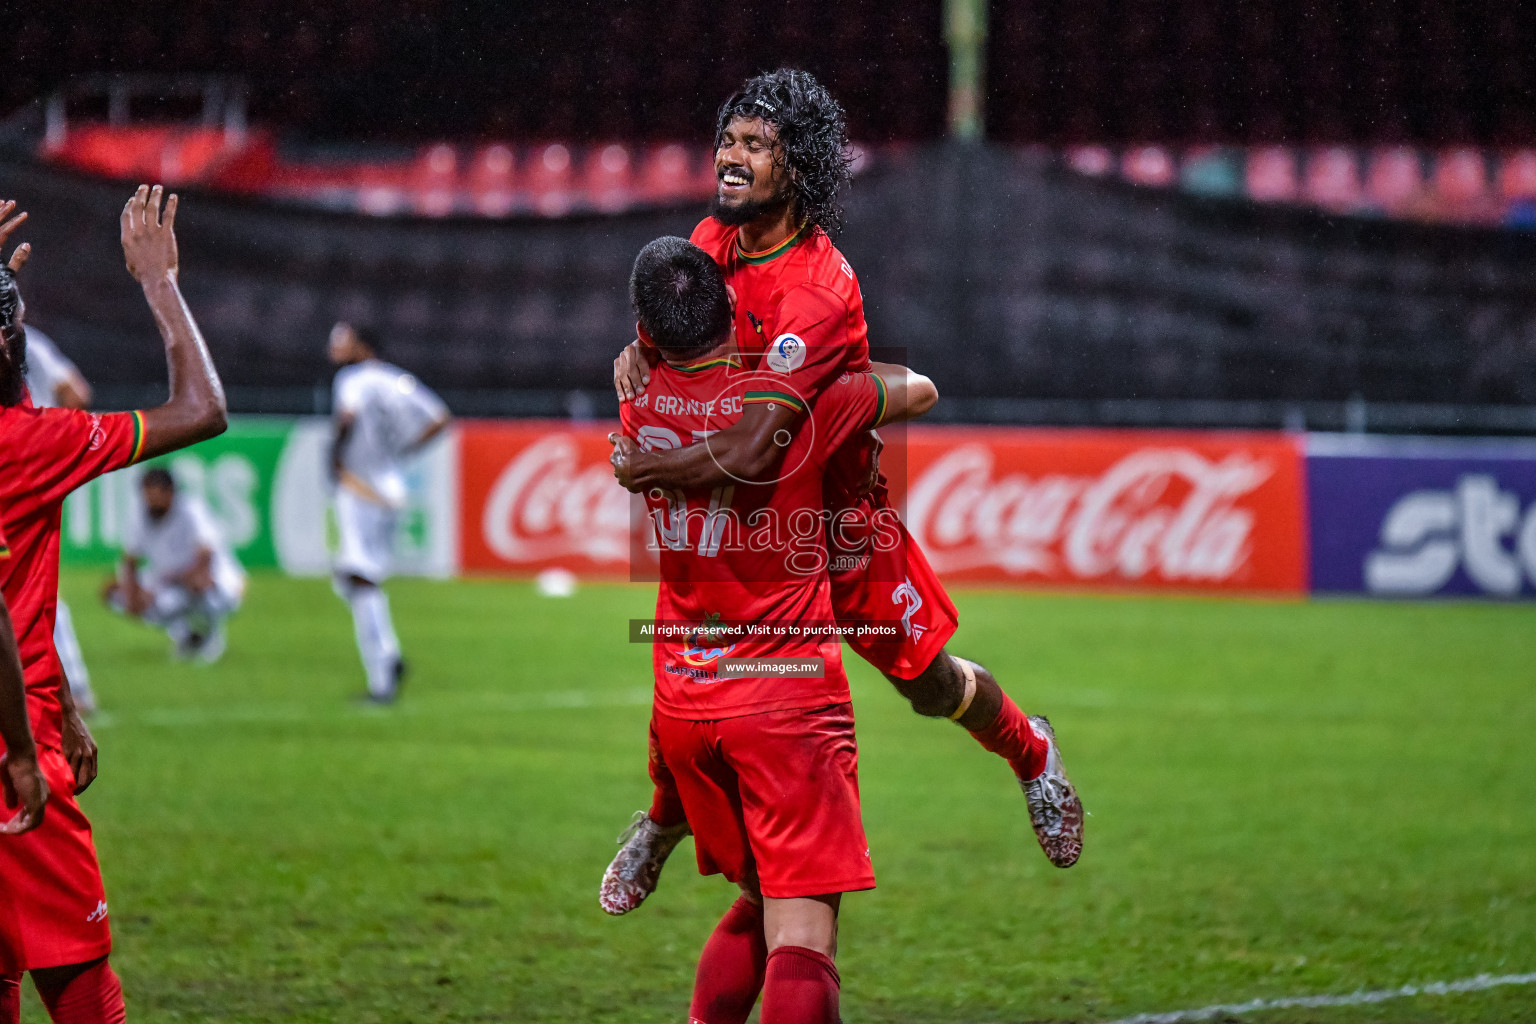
(679, 295)
(813, 133)
(13, 365)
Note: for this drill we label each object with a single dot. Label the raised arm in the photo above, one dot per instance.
(196, 410)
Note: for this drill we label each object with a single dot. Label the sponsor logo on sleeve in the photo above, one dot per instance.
(786, 354)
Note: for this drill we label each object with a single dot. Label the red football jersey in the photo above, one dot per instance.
(745, 552)
(801, 296)
(45, 454)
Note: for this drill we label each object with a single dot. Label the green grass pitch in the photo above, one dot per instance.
(1287, 799)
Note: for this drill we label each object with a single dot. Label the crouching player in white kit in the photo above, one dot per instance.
(382, 415)
(54, 381)
(191, 583)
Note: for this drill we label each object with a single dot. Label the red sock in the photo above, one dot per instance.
(10, 999)
(1011, 737)
(666, 804)
(801, 987)
(731, 967)
(94, 996)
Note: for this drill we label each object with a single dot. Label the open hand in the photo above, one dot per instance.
(149, 238)
(19, 257)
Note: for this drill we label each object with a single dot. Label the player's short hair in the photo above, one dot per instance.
(813, 132)
(679, 296)
(158, 476)
(369, 336)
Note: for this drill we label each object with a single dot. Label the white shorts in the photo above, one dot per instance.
(367, 533)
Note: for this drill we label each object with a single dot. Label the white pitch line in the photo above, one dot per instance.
(1434, 988)
(487, 703)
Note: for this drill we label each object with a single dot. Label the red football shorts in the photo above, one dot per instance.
(899, 612)
(775, 794)
(51, 882)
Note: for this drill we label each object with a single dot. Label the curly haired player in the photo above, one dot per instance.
(782, 162)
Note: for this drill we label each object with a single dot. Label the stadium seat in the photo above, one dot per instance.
(491, 180)
(1272, 174)
(550, 178)
(1517, 175)
(666, 174)
(434, 181)
(608, 178)
(1332, 178)
(1395, 177)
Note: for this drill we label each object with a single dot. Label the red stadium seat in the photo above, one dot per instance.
(434, 181)
(1332, 178)
(1517, 175)
(666, 174)
(491, 180)
(1461, 176)
(1395, 177)
(1272, 174)
(609, 177)
(550, 180)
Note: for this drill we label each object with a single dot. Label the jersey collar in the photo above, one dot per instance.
(730, 359)
(756, 258)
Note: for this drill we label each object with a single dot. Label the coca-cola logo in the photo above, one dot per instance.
(1170, 513)
(546, 504)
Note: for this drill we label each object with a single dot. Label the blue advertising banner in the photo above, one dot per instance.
(1415, 517)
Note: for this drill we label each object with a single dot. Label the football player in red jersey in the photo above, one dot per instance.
(765, 766)
(781, 160)
(24, 787)
(51, 875)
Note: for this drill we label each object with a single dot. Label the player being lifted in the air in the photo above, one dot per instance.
(54, 380)
(382, 416)
(781, 161)
(57, 921)
(765, 766)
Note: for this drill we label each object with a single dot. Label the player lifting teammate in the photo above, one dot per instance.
(57, 925)
(765, 766)
(781, 161)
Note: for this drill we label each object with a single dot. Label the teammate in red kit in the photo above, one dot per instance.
(765, 766)
(781, 159)
(51, 875)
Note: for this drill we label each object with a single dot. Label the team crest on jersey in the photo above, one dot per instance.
(757, 325)
(786, 354)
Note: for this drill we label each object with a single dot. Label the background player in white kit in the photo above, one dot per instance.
(55, 381)
(191, 582)
(382, 416)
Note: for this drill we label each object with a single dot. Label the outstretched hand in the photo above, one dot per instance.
(149, 237)
(19, 257)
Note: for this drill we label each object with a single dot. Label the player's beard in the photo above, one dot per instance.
(749, 210)
(13, 372)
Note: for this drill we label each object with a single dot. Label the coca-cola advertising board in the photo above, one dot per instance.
(1108, 509)
(537, 494)
(1118, 510)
